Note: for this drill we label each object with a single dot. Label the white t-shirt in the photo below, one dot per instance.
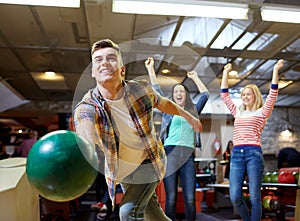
(131, 148)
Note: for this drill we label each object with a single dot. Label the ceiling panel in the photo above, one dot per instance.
(9, 62)
(21, 29)
(57, 29)
(103, 23)
(37, 39)
(291, 101)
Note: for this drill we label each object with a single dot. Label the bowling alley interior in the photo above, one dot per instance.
(49, 172)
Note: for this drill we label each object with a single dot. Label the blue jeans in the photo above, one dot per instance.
(246, 159)
(180, 163)
(139, 201)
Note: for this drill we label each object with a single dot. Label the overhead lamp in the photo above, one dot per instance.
(280, 14)
(50, 73)
(55, 3)
(287, 132)
(283, 83)
(192, 8)
(166, 71)
(56, 82)
(233, 73)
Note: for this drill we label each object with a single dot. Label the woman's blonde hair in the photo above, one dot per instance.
(258, 102)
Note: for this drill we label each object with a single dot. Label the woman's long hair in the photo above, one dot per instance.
(189, 105)
(258, 103)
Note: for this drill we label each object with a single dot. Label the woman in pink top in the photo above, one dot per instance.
(247, 158)
(27, 144)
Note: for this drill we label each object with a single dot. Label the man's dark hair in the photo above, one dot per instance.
(105, 43)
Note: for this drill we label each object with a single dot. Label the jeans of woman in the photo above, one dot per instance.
(246, 159)
(139, 201)
(180, 163)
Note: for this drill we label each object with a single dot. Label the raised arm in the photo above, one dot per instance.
(226, 70)
(194, 76)
(204, 94)
(273, 92)
(149, 63)
(277, 67)
(169, 107)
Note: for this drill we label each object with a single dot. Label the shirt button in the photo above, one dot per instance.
(242, 151)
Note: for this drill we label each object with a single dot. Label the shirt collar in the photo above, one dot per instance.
(99, 96)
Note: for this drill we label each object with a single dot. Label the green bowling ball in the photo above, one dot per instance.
(274, 177)
(62, 166)
(296, 176)
(266, 202)
(267, 177)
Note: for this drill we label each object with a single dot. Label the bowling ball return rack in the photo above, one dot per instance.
(286, 194)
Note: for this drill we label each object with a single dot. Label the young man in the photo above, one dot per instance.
(117, 116)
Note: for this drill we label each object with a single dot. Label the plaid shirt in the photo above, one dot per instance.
(140, 99)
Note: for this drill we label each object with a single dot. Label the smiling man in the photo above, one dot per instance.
(117, 117)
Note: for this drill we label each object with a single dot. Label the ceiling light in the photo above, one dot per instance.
(286, 133)
(233, 73)
(280, 14)
(56, 82)
(50, 73)
(283, 84)
(178, 8)
(166, 71)
(55, 3)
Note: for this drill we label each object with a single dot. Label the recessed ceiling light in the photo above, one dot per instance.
(166, 71)
(56, 82)
(283, 83)
(233, 73)
(50, 73)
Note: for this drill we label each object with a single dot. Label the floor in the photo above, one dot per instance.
(81, 211)
(84, 213)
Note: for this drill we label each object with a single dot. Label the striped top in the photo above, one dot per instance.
(248, 125)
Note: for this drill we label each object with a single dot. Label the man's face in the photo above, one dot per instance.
(106, 65)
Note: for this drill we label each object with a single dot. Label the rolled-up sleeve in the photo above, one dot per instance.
(84, 112)
(84, 121)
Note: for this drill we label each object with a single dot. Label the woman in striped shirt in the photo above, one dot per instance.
(250, 119)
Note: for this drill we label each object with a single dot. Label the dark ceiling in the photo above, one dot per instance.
(34, 39)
